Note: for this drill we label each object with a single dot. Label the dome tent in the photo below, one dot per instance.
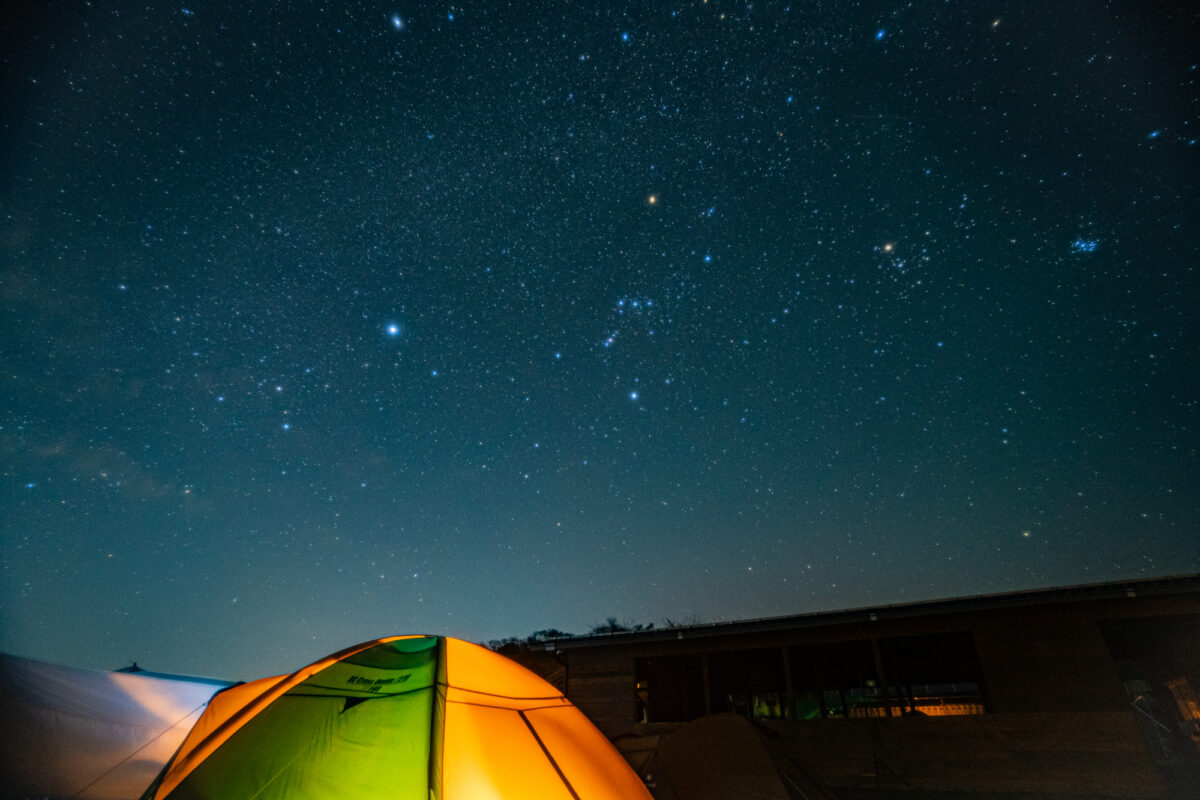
(421, 717)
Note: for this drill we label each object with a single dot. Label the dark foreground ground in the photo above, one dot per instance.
(724, 757)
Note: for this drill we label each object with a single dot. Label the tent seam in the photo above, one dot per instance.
(146, 744)
(549, 757)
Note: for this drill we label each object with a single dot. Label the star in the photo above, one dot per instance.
(392, 329)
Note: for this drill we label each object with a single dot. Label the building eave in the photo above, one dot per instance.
(1091, 592)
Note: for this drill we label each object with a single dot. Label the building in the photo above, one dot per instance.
(1076, 691)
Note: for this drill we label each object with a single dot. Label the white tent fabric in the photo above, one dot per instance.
(87, 734)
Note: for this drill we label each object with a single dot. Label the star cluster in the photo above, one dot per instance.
(323, 322)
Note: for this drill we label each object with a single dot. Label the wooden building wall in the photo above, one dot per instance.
(1069, 753)
(1059, 719)
(603, 686)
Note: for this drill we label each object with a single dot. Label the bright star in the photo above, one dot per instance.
(633, 395)
(393, 329)
(879, 34)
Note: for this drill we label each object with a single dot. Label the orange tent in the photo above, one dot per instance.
(421, 717)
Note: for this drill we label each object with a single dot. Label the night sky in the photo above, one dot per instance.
(323, 322)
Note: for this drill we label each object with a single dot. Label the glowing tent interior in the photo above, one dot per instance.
(421, 717)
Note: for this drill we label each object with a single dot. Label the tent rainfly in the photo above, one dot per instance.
(420, 717)
(85, 734)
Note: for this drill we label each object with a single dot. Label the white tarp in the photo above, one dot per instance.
(87, 734)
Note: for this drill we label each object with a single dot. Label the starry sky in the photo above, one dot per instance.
(329, 321)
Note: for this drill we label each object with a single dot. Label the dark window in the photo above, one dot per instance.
(670, 689)
(933, 675)
(833, 679)
(748, 682)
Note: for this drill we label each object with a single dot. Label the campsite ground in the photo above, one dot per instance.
(725, 757)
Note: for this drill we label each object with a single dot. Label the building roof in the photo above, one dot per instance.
(1091, 592)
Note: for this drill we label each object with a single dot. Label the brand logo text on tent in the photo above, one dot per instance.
(374, 685)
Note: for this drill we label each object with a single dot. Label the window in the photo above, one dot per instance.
(933, 675)
(749, 682)
(670, 688)
(834, 679)
(929, 675)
